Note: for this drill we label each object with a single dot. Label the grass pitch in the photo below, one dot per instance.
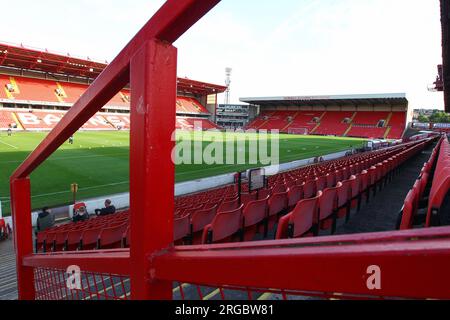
(99, 162)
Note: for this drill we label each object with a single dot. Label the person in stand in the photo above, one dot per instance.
(107, 210)
(80, 213)
(45, 220)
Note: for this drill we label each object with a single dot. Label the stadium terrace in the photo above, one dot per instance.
(140, 185)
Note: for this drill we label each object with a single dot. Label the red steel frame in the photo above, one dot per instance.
(415, 264)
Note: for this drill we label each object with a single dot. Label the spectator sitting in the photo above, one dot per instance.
(107, 210)
(80, 213)
(45, 220)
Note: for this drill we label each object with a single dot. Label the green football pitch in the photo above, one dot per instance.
(99, 162)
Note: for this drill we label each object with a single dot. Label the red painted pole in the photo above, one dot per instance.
(152, 171)
(23, 236)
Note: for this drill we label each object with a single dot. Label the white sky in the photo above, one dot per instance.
(284, 47)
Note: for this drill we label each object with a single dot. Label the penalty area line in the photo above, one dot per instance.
(9, 145)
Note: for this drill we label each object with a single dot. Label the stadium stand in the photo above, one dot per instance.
(320, 115)
(339, 262)
(220, 215)
(6, 119)
(332, 123)
(424, 202)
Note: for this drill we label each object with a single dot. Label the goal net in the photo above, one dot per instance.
(299, 131)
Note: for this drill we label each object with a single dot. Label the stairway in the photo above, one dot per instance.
(388, 131)
(388, 120)
(348, 130)
(319, 123)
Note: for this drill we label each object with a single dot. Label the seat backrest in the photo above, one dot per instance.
(328, 201)
(309, 189)
(255, 212)
(304, 216)
(344, 193)
(364, 179)
(228, 206)
(112, 236)
(182, 228)
(331, 180)
(90, 237)
(278, 203)
(295, 194)
(202, 218)
(321, 183)
(279, 188)
(408, 212)
(225, 225)
(248, 197)
(356, 185)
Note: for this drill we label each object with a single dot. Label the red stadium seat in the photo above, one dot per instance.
(344, 200)
(328, 206)
(225, 227)
(278, 204)
(295, 194)
(182, 229)
(199, 221)
(112, 237)
(228, 206)
(301, 222)
(408, 211)
(310, 189)
(254, 215)
(89, 239)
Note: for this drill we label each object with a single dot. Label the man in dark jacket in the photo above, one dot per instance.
(45, 220)
(107, 210)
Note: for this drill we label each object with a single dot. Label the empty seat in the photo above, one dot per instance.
(254, 215)
(182, 228)
(89, 239)
(344, 200)
(310, 189)
(295, 194)
(408, 211)
(225, 227)
(112, 237)
(228, 206)
(328, 205)
(199, 221)
(278, 204)
(302, 221)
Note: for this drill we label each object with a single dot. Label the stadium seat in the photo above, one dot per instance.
(310, 189)
(199, 221)
(228, 206)
(182, 230)
(302, 221)
(344, 200)
(254, 216)
(226, 227)
(112, 237)
(328, 206)
(408, 211)
(295, 194)
(278, 204)
(89, 239)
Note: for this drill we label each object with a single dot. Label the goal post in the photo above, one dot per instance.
(298, 131)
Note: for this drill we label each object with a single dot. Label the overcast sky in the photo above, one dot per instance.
(284, 47)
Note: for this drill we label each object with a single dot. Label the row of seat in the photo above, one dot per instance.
(97, 232)
(316, 204)
(200, 218)
(362, 124)
(321, 212)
